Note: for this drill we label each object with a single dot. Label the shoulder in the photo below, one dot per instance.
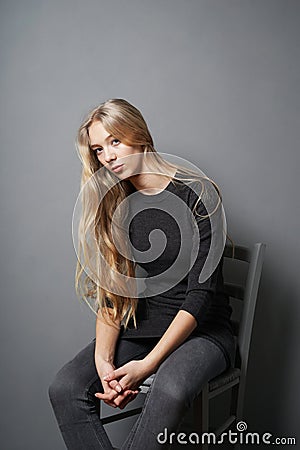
(195, 189)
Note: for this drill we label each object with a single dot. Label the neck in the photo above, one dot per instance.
(151, 183)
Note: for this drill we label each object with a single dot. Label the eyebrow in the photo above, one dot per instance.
(97, 145)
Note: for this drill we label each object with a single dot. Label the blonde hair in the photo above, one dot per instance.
(125, 122)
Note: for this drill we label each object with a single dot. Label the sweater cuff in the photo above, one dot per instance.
(196, 305)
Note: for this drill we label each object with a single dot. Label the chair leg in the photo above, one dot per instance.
(201, 414)
(240, 401)
(234, 400)
(234, 409)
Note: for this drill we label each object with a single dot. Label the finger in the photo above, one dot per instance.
(127, 400)
(110, 404)
(121, 402)
(114, 374)
(118, 400)
(106, 395)
(114, 384)
(129, 393)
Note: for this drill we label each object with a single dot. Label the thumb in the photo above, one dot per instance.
(115, 385)
(113, 374)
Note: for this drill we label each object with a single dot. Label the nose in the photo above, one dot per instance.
(109, 155)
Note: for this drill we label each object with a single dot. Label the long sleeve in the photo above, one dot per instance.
(199, 295)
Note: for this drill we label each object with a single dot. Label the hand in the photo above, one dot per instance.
(129, 376)
(112, 398)
(122, 399)
(113, 395)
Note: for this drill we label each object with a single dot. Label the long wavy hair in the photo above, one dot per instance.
(125, 123)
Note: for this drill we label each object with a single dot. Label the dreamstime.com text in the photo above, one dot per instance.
(233, 437)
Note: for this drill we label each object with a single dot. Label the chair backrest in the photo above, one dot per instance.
(244, 289)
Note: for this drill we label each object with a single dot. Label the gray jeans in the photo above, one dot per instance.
(179, 379)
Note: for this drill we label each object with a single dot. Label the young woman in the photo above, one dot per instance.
(143, 214)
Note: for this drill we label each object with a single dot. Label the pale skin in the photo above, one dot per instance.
(121, 385)
(111, 152)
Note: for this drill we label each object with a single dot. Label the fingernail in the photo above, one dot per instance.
(118, 388)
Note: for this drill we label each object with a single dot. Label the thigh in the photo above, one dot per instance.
(185, 371)
(128, 349)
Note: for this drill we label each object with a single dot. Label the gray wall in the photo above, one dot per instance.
(218, 83)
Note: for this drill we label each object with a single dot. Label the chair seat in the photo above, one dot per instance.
(220, 380)
(224, 378)
(149, 380)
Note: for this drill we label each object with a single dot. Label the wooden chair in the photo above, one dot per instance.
(243, 288)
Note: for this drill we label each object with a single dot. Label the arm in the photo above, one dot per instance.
(132, 374)
(208, 262)
(106, 339)
(178, 331)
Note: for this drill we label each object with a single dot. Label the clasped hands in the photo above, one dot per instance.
(121, 385)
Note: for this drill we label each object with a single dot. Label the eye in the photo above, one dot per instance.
(114, 141)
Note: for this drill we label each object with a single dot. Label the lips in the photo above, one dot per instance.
(116, 167)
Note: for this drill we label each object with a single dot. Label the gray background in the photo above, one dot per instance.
(218, 83)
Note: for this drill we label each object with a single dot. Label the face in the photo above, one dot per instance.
(111, 152)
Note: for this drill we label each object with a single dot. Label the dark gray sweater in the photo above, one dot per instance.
(171, 247)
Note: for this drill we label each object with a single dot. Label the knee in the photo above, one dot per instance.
(175, 394)
(62, 387)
